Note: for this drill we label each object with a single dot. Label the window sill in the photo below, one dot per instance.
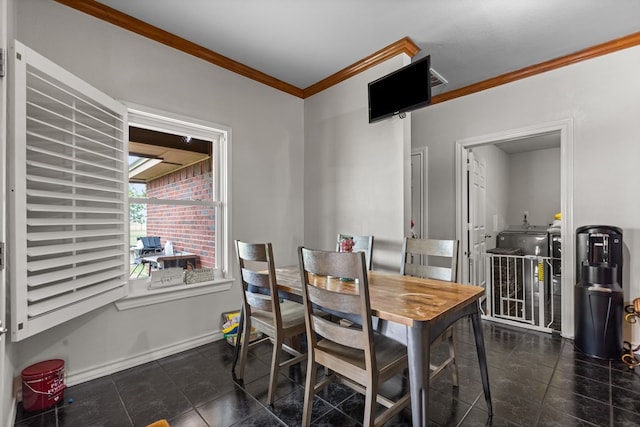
(142, 297)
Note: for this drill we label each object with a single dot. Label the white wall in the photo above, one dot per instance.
(606, 142)
(267, 172)
(356, 174)
(534, 186)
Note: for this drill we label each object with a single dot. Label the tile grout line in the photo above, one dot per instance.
(115, 386)
(466, 414)
(610, 396)
(546, 390)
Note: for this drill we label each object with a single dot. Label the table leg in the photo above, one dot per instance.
(418, 346)
(482, 357)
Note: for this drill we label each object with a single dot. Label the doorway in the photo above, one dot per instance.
(6, 382)
(480, 216)
(419, 194)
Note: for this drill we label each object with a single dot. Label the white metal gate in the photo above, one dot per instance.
(519, 291)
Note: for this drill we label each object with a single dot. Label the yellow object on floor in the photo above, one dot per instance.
(159, 423)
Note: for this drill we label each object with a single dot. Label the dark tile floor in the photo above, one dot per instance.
(536, 380)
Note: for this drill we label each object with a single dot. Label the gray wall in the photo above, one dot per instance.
(519, 182)
(605, 135)
(304, 170)
(534, 186)
(356, 174)
(266, 166)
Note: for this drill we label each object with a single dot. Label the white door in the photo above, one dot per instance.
(476, 220)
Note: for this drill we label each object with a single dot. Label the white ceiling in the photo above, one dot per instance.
(302, 42)
(531, 143)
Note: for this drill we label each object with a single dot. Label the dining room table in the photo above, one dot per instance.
(421, 309)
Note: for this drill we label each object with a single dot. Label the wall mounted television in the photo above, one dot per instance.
(401, 91)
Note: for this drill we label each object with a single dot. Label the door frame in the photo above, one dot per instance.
(423, 162)
(565, 127)
(6, 374)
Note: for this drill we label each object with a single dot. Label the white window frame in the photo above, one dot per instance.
(162, 121)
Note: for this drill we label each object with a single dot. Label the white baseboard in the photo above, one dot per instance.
(84, 375)
(11, 416)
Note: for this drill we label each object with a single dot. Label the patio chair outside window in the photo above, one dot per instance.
(150, 245)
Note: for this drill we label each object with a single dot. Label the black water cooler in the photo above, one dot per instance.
(599, 297)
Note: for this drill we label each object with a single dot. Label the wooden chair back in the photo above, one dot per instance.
(361, 244)
(337, 283)
(350, 300)
(434, 259)
(258, 278)
(430, 258)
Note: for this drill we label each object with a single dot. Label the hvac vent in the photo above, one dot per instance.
(436, 78)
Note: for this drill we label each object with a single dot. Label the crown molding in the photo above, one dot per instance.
(122, 20)
(582, 55)
(404, 45)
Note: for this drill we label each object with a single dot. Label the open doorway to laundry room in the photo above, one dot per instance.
(510, 186)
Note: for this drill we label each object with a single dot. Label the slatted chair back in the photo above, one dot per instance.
(150, 244)
(337, 283)
(430, 258)
(318, 300)
(258, 277)
(361, 244)
(434, 259)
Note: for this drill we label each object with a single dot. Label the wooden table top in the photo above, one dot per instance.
(400, 299)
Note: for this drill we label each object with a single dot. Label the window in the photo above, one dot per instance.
(172, 199)
(69, 177)
(177, 194)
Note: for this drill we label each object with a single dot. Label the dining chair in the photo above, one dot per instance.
(434, 259)
(361, 244)
(351, 352)
(264, 311)
(145, 245)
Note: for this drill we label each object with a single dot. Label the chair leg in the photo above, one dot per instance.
(244, 345)
(275, 367)
(452, 353)
(370, 404)
(133, 272)
(309, 391)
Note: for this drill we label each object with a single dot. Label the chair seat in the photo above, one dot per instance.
(388, 353)
(292, 315)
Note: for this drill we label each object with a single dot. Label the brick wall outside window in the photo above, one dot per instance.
(189, 228)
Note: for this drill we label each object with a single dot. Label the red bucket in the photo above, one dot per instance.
(43, 385)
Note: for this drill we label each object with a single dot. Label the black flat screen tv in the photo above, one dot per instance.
(401, 91)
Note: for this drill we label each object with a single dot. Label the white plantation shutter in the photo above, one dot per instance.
(68, 192)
